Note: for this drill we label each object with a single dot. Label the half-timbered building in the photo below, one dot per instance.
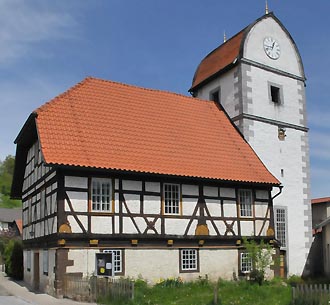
(164, 184)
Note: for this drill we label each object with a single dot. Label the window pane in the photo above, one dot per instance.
(171, 198)
(101, 194)
(280, 225)
(189, 259)
(245, 201)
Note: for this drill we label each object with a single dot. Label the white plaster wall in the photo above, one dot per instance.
(133, 203)
(79, 201)
(78, 182)
(75, 228)
(229, 208)
(221, 226)
(259, 224)
(152, 187)
(151, 205)
(261, 209)
(211, 191)
(226, 84)
(254, 50)
(286, 155)
(132, 185)
(214, 207)
(287, 111)
(27, 274)
(218, 263)
(227, 192)
(175, 226)
(101, 224)
(188, 206)
(47, 281)
(83, 261)
(215, 263)
(247, 228)
(261, 194)
(188, 189)
(152, 264)
(130, 228)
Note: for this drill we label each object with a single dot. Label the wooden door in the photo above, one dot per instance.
(36, 272)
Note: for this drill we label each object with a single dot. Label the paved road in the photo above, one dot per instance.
(16, 293)
(6, 297)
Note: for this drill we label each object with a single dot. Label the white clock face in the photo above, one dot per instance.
(272, 48)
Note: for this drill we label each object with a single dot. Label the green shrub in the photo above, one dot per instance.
(294, 280)
(14, 259)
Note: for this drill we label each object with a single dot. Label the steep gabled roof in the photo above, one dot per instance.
(219, 59)
(229, 54)
(108, 125)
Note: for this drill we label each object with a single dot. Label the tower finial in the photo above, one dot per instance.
(224, 36)
(266, 9)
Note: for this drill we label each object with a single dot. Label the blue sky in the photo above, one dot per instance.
(47, 46)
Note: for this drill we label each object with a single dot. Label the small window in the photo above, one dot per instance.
(171, 198)
(215, 96)
(189, 260)
(45, 262)
(245, 202)
(101, 195)
(28, 260)
(275, 94)
(117, 260)
(280, 226)
(246, 263)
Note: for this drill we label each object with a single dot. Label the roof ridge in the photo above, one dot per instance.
(143, 88)
(62, 95)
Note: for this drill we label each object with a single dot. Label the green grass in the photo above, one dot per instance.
(202, 293)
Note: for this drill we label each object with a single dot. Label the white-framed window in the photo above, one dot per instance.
(101, 195)
(45, 262)
(275, 93)
(171, 198)
(245, 202)
(246, 263)
(117, 260)
(189, 260)
(280, 226)
(28, 260)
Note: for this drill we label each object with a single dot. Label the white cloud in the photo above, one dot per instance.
(25, 23)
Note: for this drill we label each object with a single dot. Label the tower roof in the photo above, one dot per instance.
(228, 55)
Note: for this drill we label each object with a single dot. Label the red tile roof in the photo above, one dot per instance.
(321, 200)
(218, 59)
(108, 125)
(19, 224)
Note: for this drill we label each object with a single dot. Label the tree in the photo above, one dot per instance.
(6, 177)
(261, 255)
(13, 255)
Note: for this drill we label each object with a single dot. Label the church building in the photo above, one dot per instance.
(258, 77)
(119, 180)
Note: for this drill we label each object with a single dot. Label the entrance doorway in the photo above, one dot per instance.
(36, 274)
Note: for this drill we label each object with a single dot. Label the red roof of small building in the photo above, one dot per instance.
(321, 200)
(19, 224)
(108, 125)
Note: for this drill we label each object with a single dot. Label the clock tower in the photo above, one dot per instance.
(258, 78)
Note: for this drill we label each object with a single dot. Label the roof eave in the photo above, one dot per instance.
(158, 175)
